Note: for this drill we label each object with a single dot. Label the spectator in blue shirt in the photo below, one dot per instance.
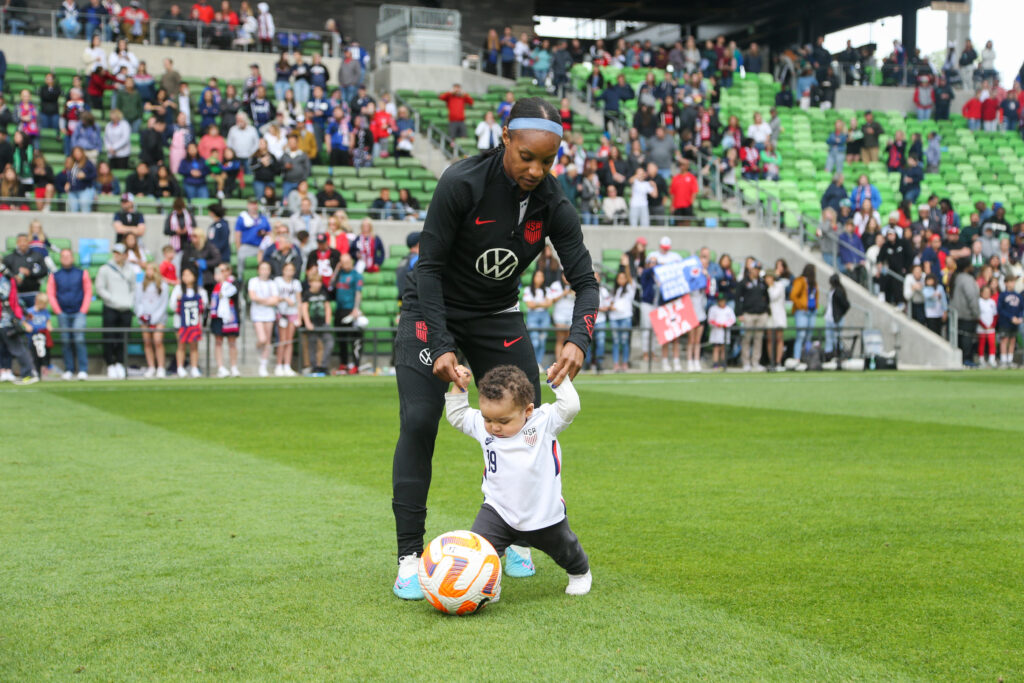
(851, 252)
(612, 96)
(865, 190)
(250, 228)
(219, 233)
(508, 54)
(1010, 314)
(910, 180)
(193, 172)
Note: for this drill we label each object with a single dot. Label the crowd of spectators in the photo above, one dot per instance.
(307, 275)
(203, 25)
(921, 256)
(193, 145)
(761, 304)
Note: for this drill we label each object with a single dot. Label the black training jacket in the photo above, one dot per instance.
(473, 250)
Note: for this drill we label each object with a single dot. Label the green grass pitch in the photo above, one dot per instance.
(771, 527)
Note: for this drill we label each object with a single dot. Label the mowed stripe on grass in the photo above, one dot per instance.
(726, 542)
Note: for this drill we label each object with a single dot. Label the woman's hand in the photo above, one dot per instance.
(446, 369)
(568, 364)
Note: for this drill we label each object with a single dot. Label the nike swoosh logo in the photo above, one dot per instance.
(510, 343)
(480, 222)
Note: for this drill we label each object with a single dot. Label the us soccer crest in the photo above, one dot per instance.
(534, 231)
(530, 436)
(421, 331)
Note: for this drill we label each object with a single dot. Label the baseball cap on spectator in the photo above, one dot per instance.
(641, 240)
(952, 231)
(665, 243)
(894, 215)
(923, 208)
(997, 206)
(412, 239)
(127, 197)
(845, 202)
(119, 248)
(321, 237)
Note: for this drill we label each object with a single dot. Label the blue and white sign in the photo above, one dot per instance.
(681, 277)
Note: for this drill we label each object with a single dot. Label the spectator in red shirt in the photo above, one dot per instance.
(683, 190)
(457, 102)
(202, 11)
(382, 125)
(990, 114)
(972, 112)
(135, 22)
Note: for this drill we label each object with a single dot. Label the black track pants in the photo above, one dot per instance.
(558, 541)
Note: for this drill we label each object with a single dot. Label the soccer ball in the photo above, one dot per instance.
(460, 572)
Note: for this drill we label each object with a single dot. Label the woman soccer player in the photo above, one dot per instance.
(487, 222)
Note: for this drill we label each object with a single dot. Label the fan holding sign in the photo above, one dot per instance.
(685, 281)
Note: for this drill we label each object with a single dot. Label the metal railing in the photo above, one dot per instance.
(157, 30)
(373, 340)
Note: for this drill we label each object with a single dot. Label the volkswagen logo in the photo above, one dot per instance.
(425, 357)
(497, 264)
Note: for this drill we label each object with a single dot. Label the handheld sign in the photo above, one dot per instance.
(681, 277)
(674, 319)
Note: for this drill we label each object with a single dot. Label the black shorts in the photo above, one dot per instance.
(1007, 331)
(217, 327)
(485, 341)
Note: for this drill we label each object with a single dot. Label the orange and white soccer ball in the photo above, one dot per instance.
(460, 572)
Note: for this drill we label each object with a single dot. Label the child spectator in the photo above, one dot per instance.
(38, 326)
(289, 291)
(263, 312)
(316, 315)
(168, 271)
(987, 326)
(522, 467)
(224, 322)
(151, 298)
(1010, 312)
(189, 302)
(721, 320)
(935, 303)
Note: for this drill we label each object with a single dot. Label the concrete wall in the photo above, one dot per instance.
(890, 99)
(402, 76)
(54, 52)
(917, 346)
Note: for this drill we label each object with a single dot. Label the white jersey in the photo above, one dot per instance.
(522, 473)
(263, 289)
(604, 300)
(622, 302)
(288, 290)
(561, 313)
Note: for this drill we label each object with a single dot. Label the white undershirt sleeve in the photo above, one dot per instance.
(567, 405)
(458, 412)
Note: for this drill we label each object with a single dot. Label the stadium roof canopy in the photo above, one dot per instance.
(771, 22)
